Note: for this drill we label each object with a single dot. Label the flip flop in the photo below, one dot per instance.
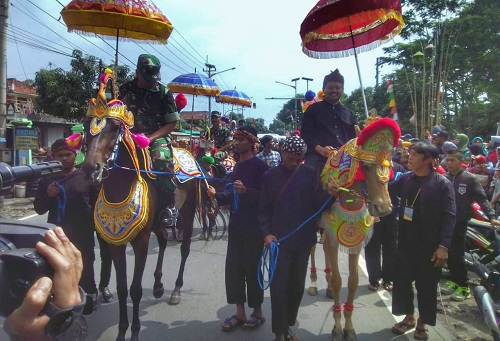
(387, 285)
(402, 327)
(421, 334)
(228, 326)
(254, 322)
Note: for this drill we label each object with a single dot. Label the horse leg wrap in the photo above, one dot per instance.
(337, 308)
(327, 270)
(313, 270)
(348, 306)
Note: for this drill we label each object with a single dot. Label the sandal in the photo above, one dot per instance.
(421, 334)
(229, 326)
(254, 322)
(402, 327)
(373, 287)
(290, 335)
(387, 285)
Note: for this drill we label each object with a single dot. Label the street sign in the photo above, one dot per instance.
(26, 138)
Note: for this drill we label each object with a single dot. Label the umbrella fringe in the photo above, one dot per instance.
(346, 53)
(123, 39)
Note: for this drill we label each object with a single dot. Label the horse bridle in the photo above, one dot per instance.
(110, 162)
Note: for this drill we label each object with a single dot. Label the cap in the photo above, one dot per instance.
(443, 133)
(215, 113)
(149, 67)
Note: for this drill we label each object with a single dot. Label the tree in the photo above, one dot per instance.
(277, 127)
(258, 124)
(67, 94)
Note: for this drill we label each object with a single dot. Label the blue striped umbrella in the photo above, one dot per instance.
(194, 84)
(234, 97)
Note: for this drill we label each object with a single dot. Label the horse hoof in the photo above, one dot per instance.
(337, 334)
(349, 335)
(202, 236)
(329, 293)
(134, 337)
(313, 291)
(210, 236)
(158, 291)
(174, 299)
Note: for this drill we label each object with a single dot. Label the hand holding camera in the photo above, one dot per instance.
(28, 321)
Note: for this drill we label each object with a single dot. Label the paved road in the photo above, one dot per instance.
(203, 305)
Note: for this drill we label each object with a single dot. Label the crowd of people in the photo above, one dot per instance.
(282, 184)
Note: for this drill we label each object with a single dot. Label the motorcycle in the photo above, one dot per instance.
(481, 243)
(487, 296)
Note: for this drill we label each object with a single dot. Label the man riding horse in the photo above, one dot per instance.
(155, 115)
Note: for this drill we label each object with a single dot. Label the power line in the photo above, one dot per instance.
(19, 54)
(176, 30)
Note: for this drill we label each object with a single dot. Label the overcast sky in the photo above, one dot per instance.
(259, 38)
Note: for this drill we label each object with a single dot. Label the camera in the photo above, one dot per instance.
(20, 265)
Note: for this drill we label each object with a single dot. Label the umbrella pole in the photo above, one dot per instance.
(359, 73)
(361, 83)
(116, 52)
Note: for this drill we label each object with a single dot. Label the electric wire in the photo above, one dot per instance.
(18, 53)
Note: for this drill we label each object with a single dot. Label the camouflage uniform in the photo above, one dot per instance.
(220, 137)
(153, 109)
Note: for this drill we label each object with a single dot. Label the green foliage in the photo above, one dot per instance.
(66, 94)
(277, 127)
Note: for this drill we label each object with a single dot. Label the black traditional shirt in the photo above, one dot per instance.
(243, 220)
(287, 199)
(148, 106)
(325, 124)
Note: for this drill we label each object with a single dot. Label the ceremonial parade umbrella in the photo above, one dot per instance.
(135, 19)
(234, 97)
(341, 28)
(194, 84)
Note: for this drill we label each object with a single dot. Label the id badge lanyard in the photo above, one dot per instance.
(408, 211)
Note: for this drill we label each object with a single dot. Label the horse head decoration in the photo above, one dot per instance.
(128, 205)
(362, 167)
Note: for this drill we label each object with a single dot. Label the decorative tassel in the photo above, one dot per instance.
(180, 101)
(74, 141)
(141, 140)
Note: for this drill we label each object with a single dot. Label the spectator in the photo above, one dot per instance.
(495, 192)
(67, 196)
(467, 190)
(245, 240)
(441, 137)
(426, 220)
(268, 154)
(241, 123)
(383, 244)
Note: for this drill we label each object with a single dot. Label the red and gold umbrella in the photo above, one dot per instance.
(133, 19)
(340, 28)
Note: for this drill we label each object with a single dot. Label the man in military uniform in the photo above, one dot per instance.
(155, 115)
(222, 138)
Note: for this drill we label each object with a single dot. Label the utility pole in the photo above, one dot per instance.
(210, 68)
(377, 65)
(4, 14)
(307, 82)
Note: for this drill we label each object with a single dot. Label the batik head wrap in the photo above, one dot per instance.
(295, 145)
(247, 132)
